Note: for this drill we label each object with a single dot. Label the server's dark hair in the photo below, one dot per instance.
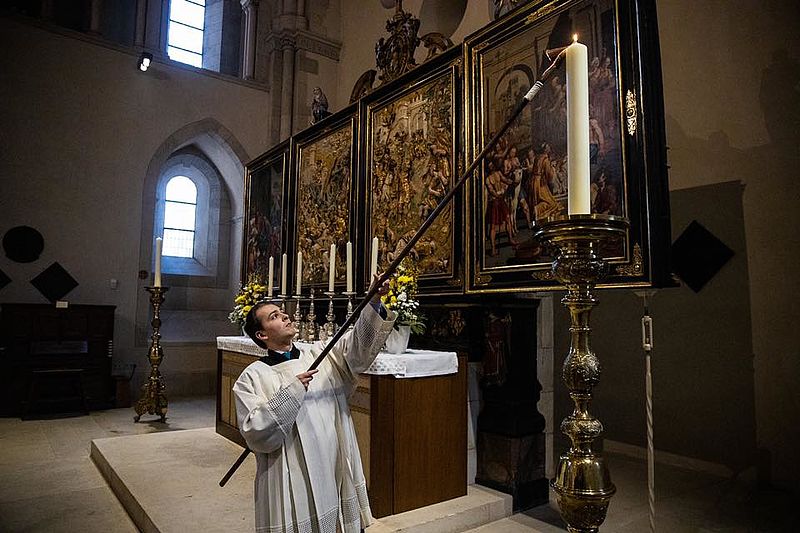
(251, 325)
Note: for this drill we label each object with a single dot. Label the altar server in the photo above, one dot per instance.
(309, 475)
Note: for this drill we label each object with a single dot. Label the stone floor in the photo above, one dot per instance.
(51, 485)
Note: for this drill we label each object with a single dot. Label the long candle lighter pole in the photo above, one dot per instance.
(555, 56)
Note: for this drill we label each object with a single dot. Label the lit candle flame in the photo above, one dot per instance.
(575, 38)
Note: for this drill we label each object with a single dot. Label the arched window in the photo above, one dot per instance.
(180, 212)
(186, 25)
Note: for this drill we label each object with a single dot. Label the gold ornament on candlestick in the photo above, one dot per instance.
(154, 400)
(582, 484)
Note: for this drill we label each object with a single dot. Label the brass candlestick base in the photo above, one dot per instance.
(153, 400)
(582, 483)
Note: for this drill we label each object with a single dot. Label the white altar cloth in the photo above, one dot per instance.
(411, 364)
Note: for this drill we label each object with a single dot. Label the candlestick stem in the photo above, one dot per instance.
(154, 400)
(583, 483)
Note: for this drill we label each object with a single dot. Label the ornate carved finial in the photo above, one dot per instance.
(394, 56)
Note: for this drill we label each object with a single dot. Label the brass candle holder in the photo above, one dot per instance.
(582, 484)
(330, 325)
(153, 400)
(297, 321)
(349, 295)
(310, 329)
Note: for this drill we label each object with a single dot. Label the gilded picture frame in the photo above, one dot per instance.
(266, 191)
(324, 186)
(412, 146)
(524, 179)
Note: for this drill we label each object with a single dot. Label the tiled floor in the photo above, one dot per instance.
(49, 484)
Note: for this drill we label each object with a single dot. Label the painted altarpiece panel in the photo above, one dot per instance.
(412, 133)
(265, 197)
(524, 179)
(324, 188)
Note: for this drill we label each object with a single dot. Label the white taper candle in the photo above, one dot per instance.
(283, 275)
(299, 273)
(374, 261)
(349, 266)
(157, 274)
(578, 198)
(332, 267)
(269, 276)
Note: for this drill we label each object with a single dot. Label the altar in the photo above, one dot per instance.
(410, 415)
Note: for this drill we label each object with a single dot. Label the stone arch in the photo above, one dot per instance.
(214, 142)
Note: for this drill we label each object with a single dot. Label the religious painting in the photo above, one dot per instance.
(265, 190)
(524, 177)
(323, 162)
(411, 136)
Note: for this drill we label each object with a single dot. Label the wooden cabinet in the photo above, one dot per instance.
(417, 441)
(41, 337)
(412, 433)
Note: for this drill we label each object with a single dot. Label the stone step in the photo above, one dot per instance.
(168, 482)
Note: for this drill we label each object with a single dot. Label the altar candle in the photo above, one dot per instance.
(349, 266)
(299, 273)
(283, 275)
(157, 275)
(269, 277)
(332, 267)
(578, 198)
(374, 263)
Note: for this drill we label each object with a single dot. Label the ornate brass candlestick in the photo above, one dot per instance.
(297, 321)
(330, 326)
(153, 400)
(349, 295)
(582, 483)
(310, 330)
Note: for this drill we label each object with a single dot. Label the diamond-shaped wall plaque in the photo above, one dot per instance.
(54, 282)
(4, 279)
(697, 255)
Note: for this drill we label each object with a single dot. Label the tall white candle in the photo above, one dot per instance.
(349, 266)
(157, 275)
(269, 276)
(374, 262)
(331, 267)
(299, 273)
(578, 198)
(283, 275)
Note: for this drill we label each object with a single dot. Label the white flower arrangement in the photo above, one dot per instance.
(249, 295)
(401, 297)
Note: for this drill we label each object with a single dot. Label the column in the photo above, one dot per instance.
(250, 8)
(287, 44)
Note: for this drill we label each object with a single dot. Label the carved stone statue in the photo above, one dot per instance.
(319, 106)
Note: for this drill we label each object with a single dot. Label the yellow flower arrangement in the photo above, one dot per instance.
(253, 292)
(401, 297)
